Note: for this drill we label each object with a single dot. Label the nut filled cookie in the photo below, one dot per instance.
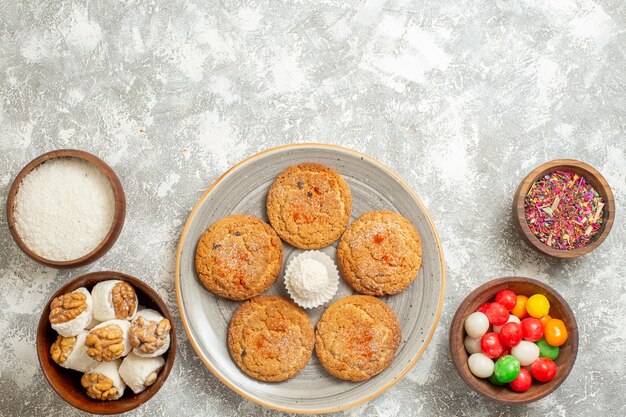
(357, 338)
(239, 257)
(380, 253)
(270, 338)
(309, 205)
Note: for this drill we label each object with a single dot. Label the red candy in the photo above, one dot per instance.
(543, 369)
(507, 298)
(522, 382)
(497, 314)
(511, 334)
(505, 352)
(483, 308)
(532, 329)
(491, 345)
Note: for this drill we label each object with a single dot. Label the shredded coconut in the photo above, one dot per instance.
(64, 208)
(309, 278)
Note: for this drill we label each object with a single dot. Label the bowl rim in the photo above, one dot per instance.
(119, 214)
(457, 335)
(593, 176)
(123, 404)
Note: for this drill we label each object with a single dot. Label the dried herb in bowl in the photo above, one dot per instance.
(563, 210)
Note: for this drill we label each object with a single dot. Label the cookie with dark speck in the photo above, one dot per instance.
(309, 205)
(239, 257)
(380, 253)
(270, 338)
(357, 337)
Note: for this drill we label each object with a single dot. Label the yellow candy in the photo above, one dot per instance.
(538, 306)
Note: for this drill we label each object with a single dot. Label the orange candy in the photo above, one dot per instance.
(520, 307)
(555, 332)
(545, 319)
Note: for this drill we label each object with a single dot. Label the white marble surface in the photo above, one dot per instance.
(462, 98)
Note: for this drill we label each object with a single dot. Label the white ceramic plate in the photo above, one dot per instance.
(243, 190)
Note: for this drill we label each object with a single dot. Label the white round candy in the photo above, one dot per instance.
(525, 352)
(480, 365)
(472, 345)
(512, 318)
(476, 325)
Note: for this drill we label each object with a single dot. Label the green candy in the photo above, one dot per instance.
(507, 368)
(495, 380)
(546, 350)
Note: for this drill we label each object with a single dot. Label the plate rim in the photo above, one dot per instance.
(183, 318)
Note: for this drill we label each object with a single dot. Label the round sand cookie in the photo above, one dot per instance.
(380, 253)
(309, 205)
(270, 338)
(357, 338)
(239, 257)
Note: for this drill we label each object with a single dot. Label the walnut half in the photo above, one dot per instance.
(67, 307)
(124, 300)
(61, 348)
(99, 387)
(148, 336)
(105, 343)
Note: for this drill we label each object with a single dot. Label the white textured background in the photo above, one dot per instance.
(460, 97)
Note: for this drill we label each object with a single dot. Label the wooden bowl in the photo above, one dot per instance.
(66, 382)
(521, 286)
(593, 177)
(118, 216)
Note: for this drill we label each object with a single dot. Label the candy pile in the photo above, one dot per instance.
(104, 335)
(523, 335)
(563, 210)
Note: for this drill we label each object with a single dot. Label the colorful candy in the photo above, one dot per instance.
(522, 381)
(511, 334)
(520, 307)
(480, 365)
(472, 345)
(537, 306)
(555, 332)
(526, 352)
(546, 350)
(495, 380)
(507, 298)
(483, 307)
(506, 369)
(497, 314)
(543, 369)
(512, 319)
(532, 329)
(491, 345)
(545, 319)
(476, 325)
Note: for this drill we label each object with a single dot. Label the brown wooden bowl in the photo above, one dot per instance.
(521, 286)
(118, 216)
(66, 382)
(593, 177)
